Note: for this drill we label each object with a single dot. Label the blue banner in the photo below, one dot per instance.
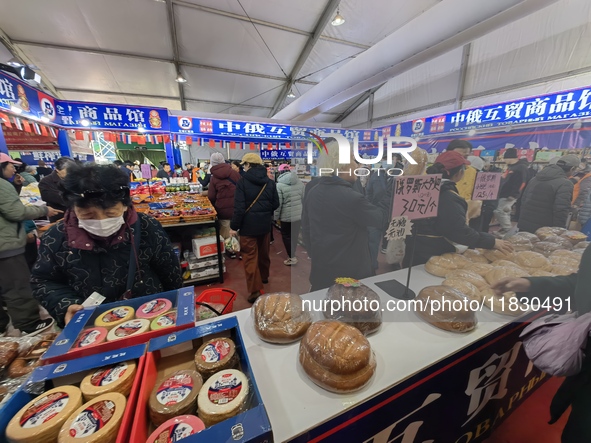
(228, 128)
(560, 106)
(17, 93)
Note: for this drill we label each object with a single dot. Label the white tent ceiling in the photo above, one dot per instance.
(242, 57)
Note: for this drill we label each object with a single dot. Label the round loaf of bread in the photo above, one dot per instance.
(458, 259)
(280, 318)
(539, 273)
(440, 266)
(520, 243)
(475, 256)
(464, 287)
(563, 270)
(505, 263)
(545, 232)
(574, 237)
(562, 253)
(420, 156)
(468, 276)
(336, 356)
(479, 268)
(570, 262)
(501, 272)
(531, 261)
(527, 236)
(547, 248)
(360, 305)
(581, 245)
(494, 254)
(445, 308)
(508, 304)
(564, 243)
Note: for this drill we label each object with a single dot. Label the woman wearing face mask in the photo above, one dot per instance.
(100, 242)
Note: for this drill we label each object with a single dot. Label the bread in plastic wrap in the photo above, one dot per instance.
(420, 156)
(564, 242)
(337, 356)
(581, 245)
(527, 236)
(547, 248)
(466, 288)
(501, 272)
(280, 317)
(450, 312)
(545, 232)
(507, 304)
(568, 261)
(365, 316)
(475, 256)
(441, 265)
(532, 261)
(574, 237)
(469, 276)
(520, 243)
(479, 268)
(539, 273)
(494, 254)
(564, 270)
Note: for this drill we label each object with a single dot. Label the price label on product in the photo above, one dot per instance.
(416, 196)
(399, 229)
(487, 186)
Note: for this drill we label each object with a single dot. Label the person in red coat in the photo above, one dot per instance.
(221, 190)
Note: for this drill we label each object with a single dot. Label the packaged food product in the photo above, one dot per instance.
(454, 315)
(166, 320)
(479, 268)
(469, 276)
(176, 429)
(97, 421)
(501, 272)
(539, 273)
(475, 256)
(581, 245)
(154, 308)
(440, 266)
(563, 242)
(466, 288)
(532, 261)
(114, 317)
(562, 253)
(568, 261)
(224, 395)
(546, 248)
(129, 328)
(544, 233)
(494, 255)
(216, 355)
(174, 395)
(507, 264)
(564, 270)
(337, 356)
(8, 352)
(508, 304)
(204, 312)
(364, 310)
(532, 238)
(520, 243)
(41, 419)
(574, 237)
(91, 337)
(113, 378)
(280, 318)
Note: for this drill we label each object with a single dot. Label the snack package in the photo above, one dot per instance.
(280, 318)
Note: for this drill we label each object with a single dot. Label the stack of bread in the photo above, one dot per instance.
(280, 318)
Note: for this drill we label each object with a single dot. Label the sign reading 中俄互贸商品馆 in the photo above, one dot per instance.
(416, 197)
(487, 186)
(285, 154)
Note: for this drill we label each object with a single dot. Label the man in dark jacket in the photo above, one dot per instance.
(548, 196)
(222, 188)
(575, 391)
(511, 187)
(49, 187)
(255, 202)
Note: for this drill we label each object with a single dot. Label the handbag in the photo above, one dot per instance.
(256, 199)
(556, 343)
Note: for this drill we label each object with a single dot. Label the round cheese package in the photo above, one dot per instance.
(114, 317)
(97, 421)
(41, 419)
(91, 337)
(216, 355)
(166, 320)
(153, 308)
(113, 378)
(174, 395)
(223, 396)
(129, 328)
(176, 429)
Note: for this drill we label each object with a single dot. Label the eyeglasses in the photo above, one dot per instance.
(120, 192)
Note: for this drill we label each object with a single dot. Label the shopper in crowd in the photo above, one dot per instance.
(128, 168)
(379, 184)
(154, 171)
(15, 289)
(101, 245)
(482, 222)
(237, 166)
(466, 185)
(136, 173)
(188, 172)
(165, 172)
(530, 173)
(29, 174)
(335, 222)
(548, 197)
(204, 176)
(254, 203)
(222, 188)
(50, 190)
(575, 391)
(178, 170)
(448, 232)
(118, 163)
(289, 213)
(42, 170)
(512, 186)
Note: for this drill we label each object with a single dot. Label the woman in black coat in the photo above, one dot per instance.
(436, 236)
(95, 246)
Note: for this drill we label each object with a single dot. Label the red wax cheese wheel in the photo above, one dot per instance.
(223, 396)
(174, 395)
(176, 429)
(40, 420)
(113, 378)
(114, 317)
(129, 328)
(167, 320)
(97, 421)
(91, 337)
(216, 355)
(154, 308)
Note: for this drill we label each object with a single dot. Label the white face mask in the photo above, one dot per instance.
(102, 228)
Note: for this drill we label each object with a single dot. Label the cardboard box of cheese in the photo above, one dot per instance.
(201, 350)
(57, 397)
(124, 323)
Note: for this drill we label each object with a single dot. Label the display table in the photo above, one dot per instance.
(430, 385)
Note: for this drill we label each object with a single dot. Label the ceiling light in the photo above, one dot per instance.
(291, 94)
(45, 119)
(338, 19)
(180, 79)
(84, 122)
(16, 110)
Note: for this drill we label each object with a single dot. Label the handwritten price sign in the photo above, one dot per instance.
(416, 197)
(487, 186)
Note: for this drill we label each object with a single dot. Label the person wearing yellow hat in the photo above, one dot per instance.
(255, 201)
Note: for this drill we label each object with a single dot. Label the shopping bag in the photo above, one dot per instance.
(232, 244)
(395, 252)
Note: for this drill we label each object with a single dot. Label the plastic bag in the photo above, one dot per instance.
(445, 308)
(280, 317)
(232, 244)
(395, 252)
